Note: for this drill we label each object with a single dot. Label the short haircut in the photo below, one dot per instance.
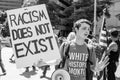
(77, 24)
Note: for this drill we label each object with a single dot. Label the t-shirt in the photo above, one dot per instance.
(77, 61)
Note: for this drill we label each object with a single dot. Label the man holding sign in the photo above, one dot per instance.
(32, 36)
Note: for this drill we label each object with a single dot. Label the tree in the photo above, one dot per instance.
(65, 15)
(66, 12)
(85, 9)
(81, 9)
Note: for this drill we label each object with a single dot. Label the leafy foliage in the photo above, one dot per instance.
(65, 16)
(77, 10)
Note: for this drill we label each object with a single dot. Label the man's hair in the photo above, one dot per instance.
(77, 24)
(114, 33)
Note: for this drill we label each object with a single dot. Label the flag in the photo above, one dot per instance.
(103, 34)
(103, 42)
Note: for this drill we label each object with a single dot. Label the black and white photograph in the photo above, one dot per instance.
(59, 39)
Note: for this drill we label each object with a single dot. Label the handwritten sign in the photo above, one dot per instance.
(32, 35)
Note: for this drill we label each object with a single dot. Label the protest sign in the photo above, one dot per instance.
(32, 35)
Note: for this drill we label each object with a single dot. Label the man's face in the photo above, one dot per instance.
(83, 30)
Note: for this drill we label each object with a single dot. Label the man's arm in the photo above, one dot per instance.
(98, 65)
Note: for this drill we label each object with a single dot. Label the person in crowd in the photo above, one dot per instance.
(28, 3)
(61, 39)
(71, 36)
(113, 52)
(5, 34)
(1, 62)
(6, 37)
(46, 67)
(78, 55)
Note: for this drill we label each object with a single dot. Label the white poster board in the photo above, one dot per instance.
(32, 35)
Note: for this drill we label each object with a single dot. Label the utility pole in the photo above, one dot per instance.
(95, 22)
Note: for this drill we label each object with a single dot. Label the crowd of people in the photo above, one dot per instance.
(81, 56)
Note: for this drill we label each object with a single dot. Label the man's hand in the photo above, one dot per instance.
(102, 63)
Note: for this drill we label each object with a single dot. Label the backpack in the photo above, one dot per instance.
(62, 63)
(89, 73)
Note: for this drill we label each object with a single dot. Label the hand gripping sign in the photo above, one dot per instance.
(32, 35)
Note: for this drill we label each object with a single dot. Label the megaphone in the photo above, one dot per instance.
(60, 74)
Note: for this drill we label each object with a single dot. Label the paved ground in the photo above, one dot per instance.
(19, 74)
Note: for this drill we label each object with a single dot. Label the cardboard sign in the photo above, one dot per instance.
(32, 35)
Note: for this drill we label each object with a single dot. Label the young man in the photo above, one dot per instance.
(78, 55)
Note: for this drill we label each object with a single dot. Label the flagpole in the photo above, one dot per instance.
(95, 12)
(103, 24)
